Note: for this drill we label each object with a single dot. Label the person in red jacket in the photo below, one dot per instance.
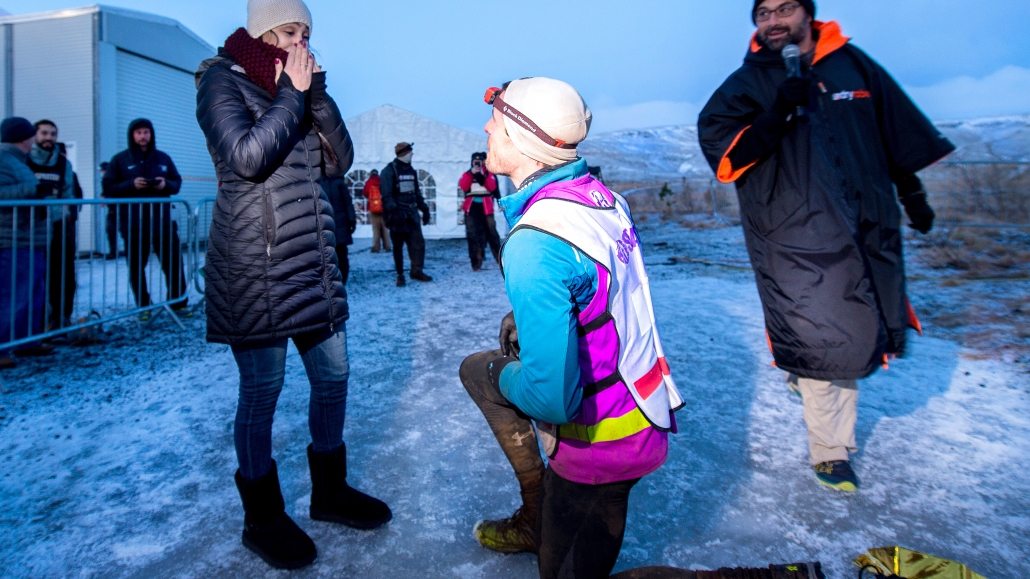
(380, 235)
(480, 189)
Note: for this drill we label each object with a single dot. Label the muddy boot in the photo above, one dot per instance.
(519, 533)
(419, 275)
(267, 529)
(514, 432)
(335, 501)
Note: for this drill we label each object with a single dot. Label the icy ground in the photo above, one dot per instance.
(117, 458)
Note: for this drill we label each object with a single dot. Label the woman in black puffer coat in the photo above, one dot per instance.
(272, 272)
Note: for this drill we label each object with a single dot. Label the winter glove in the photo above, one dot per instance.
(425, 216)
(790, 95)
(913, 197)
(768, 127)
(509, 336)
(919, 212)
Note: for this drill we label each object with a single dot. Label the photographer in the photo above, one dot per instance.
(480, 189)
(144, 171)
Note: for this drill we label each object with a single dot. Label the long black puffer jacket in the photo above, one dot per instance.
(271, 264)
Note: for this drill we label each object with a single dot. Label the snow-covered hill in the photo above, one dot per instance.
(672, 152)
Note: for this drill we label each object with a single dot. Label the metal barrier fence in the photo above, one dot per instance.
(67, 266)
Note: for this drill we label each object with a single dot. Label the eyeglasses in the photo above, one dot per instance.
(782, 11)
(493, 97)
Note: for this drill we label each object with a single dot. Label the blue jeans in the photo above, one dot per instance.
(262, 372)
(22, 305)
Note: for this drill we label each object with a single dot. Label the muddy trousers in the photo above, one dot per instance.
(581, 526)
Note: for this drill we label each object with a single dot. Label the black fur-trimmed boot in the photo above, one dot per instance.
(267, 529)
(333, 500)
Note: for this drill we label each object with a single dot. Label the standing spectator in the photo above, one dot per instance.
(374, 196)
(22, 240)
(271, 127)
(580, 352)
(817, 154)
(144, 171)
(480, 188)
(345, 218)
(402, 202)
(57, 181)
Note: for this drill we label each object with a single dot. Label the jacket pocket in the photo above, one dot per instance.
(269, 220)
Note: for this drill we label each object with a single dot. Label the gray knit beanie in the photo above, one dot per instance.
(264, 15)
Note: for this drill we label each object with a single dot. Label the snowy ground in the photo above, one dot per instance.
(117, 457)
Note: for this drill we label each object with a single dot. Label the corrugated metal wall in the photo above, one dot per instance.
(166, 96)
(53, 78)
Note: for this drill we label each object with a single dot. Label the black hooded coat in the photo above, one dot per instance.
(820, 216)
(271, 269)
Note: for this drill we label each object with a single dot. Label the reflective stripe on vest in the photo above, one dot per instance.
(608, 429)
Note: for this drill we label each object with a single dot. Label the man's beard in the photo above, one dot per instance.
(46, 145)
(793, 37)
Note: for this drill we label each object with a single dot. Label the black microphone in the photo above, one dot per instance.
(792, 60)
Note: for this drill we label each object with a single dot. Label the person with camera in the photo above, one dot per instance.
(480, 188)
(402, 204)
(144, 171)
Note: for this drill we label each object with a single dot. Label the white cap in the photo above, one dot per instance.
(264, 15)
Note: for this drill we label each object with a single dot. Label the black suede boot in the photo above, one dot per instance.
(267, 529)
(333, 500)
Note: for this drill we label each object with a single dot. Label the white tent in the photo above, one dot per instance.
(442, 154)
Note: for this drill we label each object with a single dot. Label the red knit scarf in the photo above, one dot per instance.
(256, 57)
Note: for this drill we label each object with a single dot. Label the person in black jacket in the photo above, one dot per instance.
(402, 203)
(57, 180)
(345, 217)
(272, 272)
(816, 158)
(144, 171)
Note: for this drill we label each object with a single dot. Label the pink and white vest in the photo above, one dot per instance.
(628, 392)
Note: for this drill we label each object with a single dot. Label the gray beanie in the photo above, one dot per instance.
(264, 15)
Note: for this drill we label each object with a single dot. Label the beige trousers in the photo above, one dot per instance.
(831, 409)
(380, 235)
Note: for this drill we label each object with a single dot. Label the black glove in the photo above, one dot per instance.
(918, 210)
(509, 336)
(479, 178)
(768, 127)
(425, 216)
(790, 95)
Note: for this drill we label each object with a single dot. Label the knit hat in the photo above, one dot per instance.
(264, 15)
(16, 130)
(556, 108)
(808, 5)
(402, 147)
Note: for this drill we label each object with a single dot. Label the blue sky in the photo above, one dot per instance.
(638, 64)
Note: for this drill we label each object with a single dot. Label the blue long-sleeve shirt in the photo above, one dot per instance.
(548, 282)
